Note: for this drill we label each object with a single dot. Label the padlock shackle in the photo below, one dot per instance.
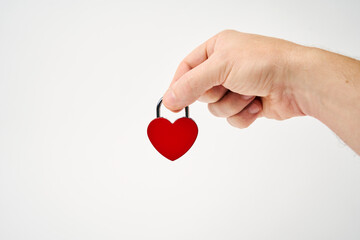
(159, 106)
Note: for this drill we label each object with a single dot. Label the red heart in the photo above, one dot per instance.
(172, 140)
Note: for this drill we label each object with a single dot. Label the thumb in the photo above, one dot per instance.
(188, 88)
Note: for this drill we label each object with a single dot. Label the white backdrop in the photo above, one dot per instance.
(79, 82)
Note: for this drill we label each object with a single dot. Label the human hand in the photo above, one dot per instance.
(242, 77)
(245, 76)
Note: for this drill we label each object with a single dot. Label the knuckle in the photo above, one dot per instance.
(227, 32)
(189, 83)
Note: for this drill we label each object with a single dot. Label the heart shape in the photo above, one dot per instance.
(172, 140)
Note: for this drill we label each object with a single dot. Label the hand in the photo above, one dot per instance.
(241, 76)
(244, 76)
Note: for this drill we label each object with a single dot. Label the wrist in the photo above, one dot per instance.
(326, 86)
(322, 81)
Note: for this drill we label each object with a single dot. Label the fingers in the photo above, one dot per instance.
(194, 75)
(240, 110)
(247, 116)
(193, 84)
(214, 94)
(230, 104)
(195, 58)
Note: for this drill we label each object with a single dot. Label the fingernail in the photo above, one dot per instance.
(253, 108)
(247, 97)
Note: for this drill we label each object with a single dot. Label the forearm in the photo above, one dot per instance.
(327, 86)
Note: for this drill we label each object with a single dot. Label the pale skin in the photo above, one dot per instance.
(244, 76)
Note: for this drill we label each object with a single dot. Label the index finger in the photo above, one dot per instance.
(195, 58)
(192, 60)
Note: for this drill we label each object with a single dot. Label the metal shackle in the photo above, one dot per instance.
(159, 105)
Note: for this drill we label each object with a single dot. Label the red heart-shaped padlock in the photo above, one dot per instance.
(172, 140)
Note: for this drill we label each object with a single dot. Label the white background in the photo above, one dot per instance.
(79, 83)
